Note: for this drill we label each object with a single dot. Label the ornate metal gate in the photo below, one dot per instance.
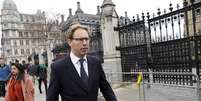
(168, 42)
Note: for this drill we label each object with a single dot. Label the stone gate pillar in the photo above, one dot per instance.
(112, 60)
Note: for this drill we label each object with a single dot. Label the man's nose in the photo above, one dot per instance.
(84, 41)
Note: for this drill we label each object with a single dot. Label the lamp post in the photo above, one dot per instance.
(48, 43)
(49, 47)
(41, 48)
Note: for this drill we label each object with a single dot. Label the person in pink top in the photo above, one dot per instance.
(20, 86)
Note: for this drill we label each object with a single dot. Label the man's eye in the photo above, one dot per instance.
(81, 39)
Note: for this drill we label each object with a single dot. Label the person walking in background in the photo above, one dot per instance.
(32, 71)
(17, 62)
(4, 75)
(78, 76)
(20, 86)
(42, 76)
(24, 65)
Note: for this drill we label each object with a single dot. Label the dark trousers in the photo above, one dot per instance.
(40, 80)
(2, 88)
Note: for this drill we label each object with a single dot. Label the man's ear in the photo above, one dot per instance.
(69, 41)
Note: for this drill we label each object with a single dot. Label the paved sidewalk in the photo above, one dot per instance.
(131, 93)
(127, 93)
(38, 96)
(1, 99)
(155, 93)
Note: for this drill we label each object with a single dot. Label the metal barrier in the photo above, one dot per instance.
(150, 91)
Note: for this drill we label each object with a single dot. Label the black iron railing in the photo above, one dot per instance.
(168, 42)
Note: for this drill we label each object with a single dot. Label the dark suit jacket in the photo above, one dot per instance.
(66, 81)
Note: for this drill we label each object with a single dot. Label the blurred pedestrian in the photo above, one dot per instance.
(32, 71)
(20, 86)
(24, 65)
(4, 75)
(42, 76)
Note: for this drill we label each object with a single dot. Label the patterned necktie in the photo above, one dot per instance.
(83, 74)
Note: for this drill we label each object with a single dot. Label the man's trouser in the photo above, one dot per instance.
(2, 88)
(40, 80)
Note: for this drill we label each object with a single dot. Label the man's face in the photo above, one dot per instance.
(80, 42)
(2, 61)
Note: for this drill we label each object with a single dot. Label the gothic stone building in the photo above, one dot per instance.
(188, 18)
(25, 34)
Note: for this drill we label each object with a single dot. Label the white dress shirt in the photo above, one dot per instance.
(77, 65)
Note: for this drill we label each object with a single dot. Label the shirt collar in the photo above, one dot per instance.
(76, 59)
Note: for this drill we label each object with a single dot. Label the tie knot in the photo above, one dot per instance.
(81, 61)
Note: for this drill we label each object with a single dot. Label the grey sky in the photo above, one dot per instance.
(90, 6)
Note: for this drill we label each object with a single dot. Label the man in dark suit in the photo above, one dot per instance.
(78, 77)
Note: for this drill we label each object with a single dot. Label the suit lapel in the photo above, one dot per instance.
(90, 71)
(72, 72)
